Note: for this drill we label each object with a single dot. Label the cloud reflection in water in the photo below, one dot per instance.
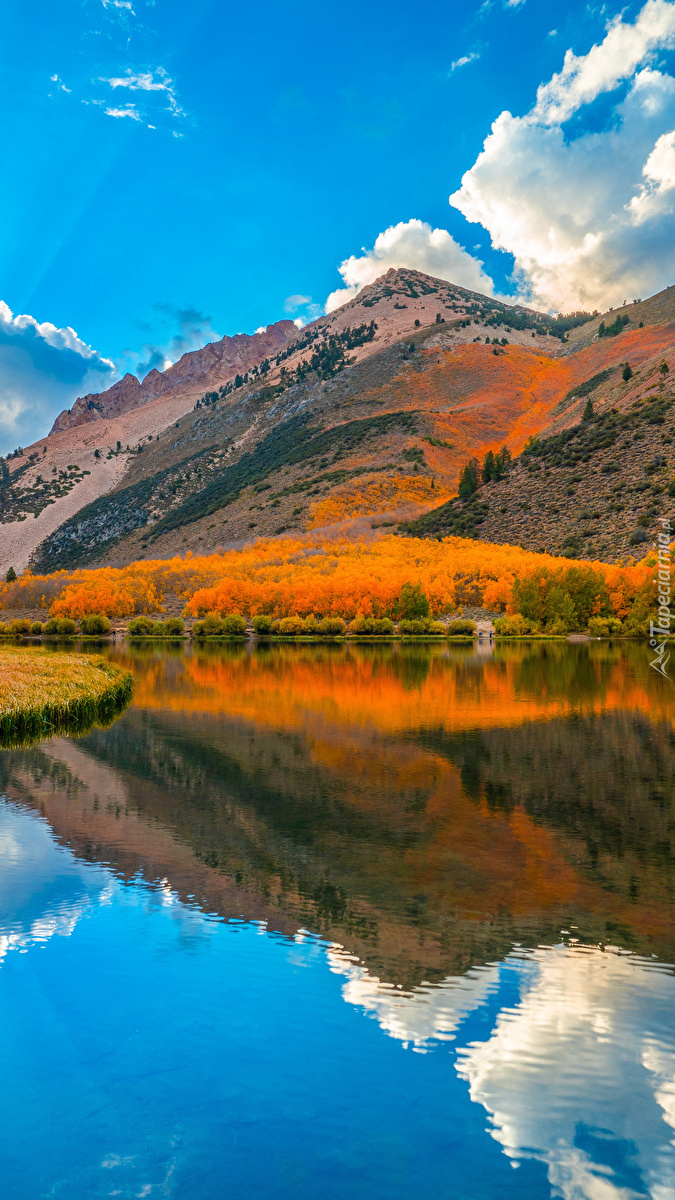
(572, 1031)
(578, 1073)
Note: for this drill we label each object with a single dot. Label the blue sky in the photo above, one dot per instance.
(175, 172)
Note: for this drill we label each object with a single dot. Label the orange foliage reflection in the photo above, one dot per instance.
(289, 688)
(361, 718)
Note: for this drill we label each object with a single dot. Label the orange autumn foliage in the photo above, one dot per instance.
(348, 578)
(477, 400)
(300, 575)
(376, 496)
(114, 597)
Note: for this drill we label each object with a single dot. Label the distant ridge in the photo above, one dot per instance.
(214, 364)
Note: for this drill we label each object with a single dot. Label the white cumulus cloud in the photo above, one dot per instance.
(43, 369)
(658, 193)
(587, 214)
(624, 48)
(416, 245)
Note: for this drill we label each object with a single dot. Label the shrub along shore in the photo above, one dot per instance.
(264, 628)
(42, 693)
(233, 625)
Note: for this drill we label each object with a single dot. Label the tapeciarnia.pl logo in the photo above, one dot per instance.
(659, 633)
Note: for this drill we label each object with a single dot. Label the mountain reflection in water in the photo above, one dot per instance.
(474, 837)
(425, 810)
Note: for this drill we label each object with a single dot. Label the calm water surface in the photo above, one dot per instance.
(328, 922)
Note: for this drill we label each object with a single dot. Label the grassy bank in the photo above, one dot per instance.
(42, 693)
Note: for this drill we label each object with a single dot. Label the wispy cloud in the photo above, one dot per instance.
(464, 61)
(293, 303)
(184, 329)
(146, 95)
(487, 5)
(128, 111)
(148, 81)
(60, 84)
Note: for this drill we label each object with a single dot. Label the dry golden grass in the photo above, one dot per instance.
(42, 691)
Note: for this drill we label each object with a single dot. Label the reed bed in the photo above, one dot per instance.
(42, 693)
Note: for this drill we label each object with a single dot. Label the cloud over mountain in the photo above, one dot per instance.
(411, 244)
(190, 330)
(42, 370)
(587, 212)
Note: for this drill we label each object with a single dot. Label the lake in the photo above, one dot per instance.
(376, 921)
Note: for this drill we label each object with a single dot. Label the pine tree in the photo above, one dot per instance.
(468, 480)
(488, 471)
(588, 413)
(502, 462)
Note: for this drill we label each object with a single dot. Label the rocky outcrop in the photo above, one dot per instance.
(211, 366)
(124, 395)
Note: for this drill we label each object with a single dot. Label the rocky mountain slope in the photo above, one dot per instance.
(101, 435)
(90, 447)
(363, 419)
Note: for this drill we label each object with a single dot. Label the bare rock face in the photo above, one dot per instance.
(211, 366)
(127, 393)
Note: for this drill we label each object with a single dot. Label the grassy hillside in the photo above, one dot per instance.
(657, 310)
(592, 490)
